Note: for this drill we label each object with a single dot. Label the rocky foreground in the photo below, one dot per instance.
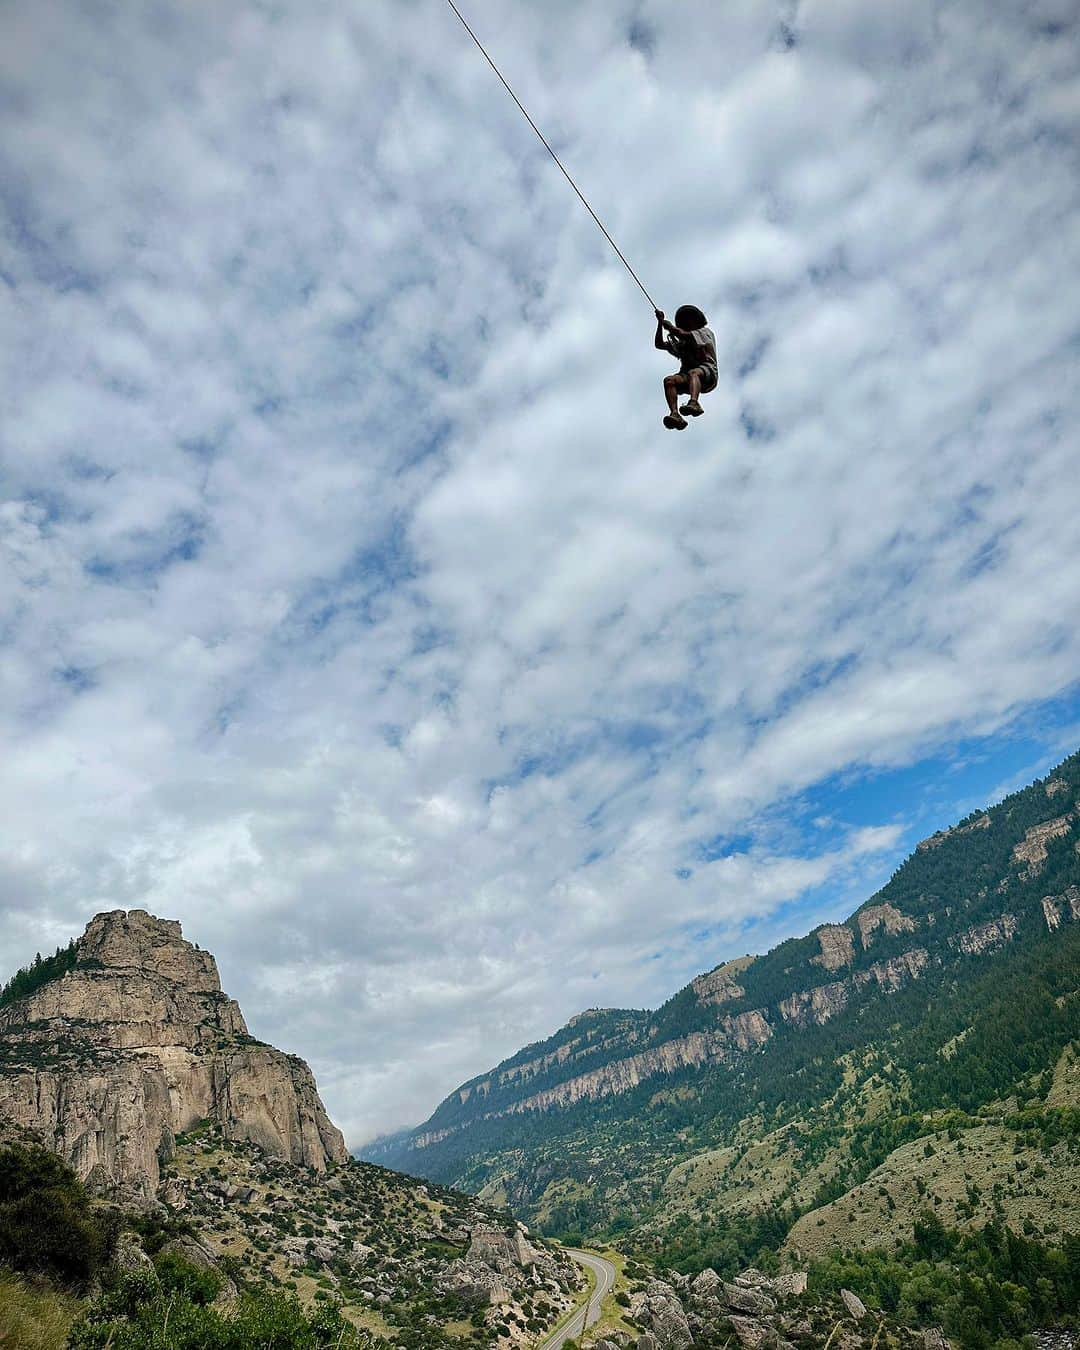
(758, 1312)
(395, 1254)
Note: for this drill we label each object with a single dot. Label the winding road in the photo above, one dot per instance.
(588, 1313)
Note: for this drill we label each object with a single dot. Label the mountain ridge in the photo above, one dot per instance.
(1003, 882)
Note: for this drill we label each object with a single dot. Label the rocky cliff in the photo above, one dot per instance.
(135, 1042)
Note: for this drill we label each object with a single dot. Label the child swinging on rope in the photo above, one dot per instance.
(694, 343)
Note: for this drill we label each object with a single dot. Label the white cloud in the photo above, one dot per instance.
(355, 607)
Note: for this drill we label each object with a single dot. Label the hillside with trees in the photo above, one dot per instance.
(944, 1008)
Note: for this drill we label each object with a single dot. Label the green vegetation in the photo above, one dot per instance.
(40, 971)
(167, 1310)
(33, 1316)
(987, 1288)
(727, 1245)
(47, 1223)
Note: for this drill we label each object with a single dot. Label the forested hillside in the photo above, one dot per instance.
(771, 1087)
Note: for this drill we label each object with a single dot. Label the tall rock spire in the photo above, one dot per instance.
(112, 1058)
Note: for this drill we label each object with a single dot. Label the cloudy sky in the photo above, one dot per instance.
(355, 607)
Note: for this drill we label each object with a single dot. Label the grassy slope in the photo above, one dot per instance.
(1009, 1167)
(33, 1317)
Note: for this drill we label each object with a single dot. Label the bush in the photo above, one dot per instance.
(140, 1314)
(177, 1276)
(987, 1287)
(47, 1223)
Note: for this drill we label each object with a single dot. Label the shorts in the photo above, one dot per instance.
(708, 376)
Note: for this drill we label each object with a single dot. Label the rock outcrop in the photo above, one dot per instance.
(981, 822)
(1063, 907)
(986, 937)
(1031, 850)
(136, 1043)
(719, 985)
(887, 917)
(816, 1006)
(496, 1264)
(837, 943)
(744, 1032)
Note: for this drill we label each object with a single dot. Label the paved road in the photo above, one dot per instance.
(588, 1313)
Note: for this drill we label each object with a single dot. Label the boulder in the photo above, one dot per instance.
(753, 1279)
(755, 1335)
(750, 1333)
(129, 1256)
(473, 1280)
(753, 1302)
(500, 1251)
(658, 1309)
(707, 1285)
(790, 1286)
(854, 1304)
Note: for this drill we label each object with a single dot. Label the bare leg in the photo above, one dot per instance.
(671, 392)
(692, 408)
(673, 384)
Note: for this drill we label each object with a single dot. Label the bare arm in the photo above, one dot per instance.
(662, 343)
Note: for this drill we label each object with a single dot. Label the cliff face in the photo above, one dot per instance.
(735, 1034)
(109, 1061)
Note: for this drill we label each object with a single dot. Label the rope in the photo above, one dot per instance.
(547, 146)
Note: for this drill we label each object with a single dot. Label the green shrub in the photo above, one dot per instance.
(178, 1276)
(987, 1287)
(140, 1314)
(47, 1223)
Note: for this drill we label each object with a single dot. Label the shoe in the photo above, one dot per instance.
(692, 408)
(675, 423)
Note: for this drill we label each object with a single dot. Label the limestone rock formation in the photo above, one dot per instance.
(986, 937)
(496, 1264)
(814, 1007)
(658, 1309)
(981, 822)
(741, 1033)
(719, 985)
(111, 1059)
(887, 917)
(837, 946)
(1065, 906)
(1031, 850)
